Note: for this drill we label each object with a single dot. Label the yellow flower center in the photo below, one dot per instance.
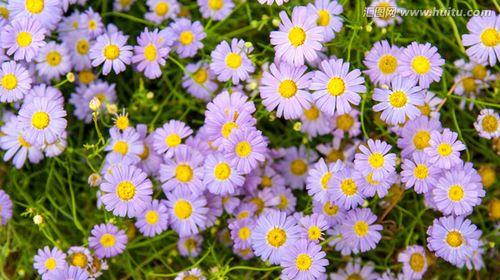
(334, 155)
(35, 6)
(490, 37)
(425, 109)
(454, 238)
(345, 122)
(200, 76)
(111, 52)
(283, 202)
(314, 233)
(186, 37)
(311, 114)
(325, 179)
(456, 193)
(242, 215)
(125, 190)
(387, 64)
(330, 209)
(488, 175)
(303, 262)
(490, 123)
(266, 182)
(24, 39)
(243, 149)
(479, 72)
(233, 60)
(335, 86)
(354, 276)
(4, 12)
(244, 233)
(120, 147)
(222, 171)
(190, 244)
(150, 52)
(92, 25)
(227, 128)
(444, 149)
(107, 240)
(53, 58)
(348, 187)
(9, 81)
(469, 84)
(40, 120)
(298, 167)
(421, 171)
(297, 36)
(50, 264)
(122, 122)
(259, 203)
(23, 142)
(287, 88)
(152, 217)
(421, 139)
(79, 259)
(417, 262)
(125, 3)
(86, 77)
(161, 9)
(398, 99)
(173, 140)
(215, 4)
(421, 64)
(82, 46)
(145, 153)
(276, 237)
(323, 18)
(376, 160)
(183, 209)
(183, 173)
(360, 228)
(369, 179)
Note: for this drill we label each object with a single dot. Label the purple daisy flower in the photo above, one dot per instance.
(67, 273)
(335, 89)
(332, 212)
(160, 10)
(273, 233)
(483, 40)
(319, 179)
(313, 226)
(153, 220)
(241, 232)
(47, 260)
(375, 158)
(453, 238)
(419, 173)
(169, 137)
(42, 90)
(295, 165)
(345, 190)
(5, 208)
(183, 171)
(79, 47)
(347, 122)
(215, 9)
(304, 260)
(285, 87)
(416, 134)
(287, 200)
(107, 240)
(190, 246)
(150, 53)
(23, 38)
(298, 38)
(126, 191)
(328, 13)
(112, 51)
(47, 12)
(15, 82)
(444, 149)
(91, 23)
(487, 123)
(53, 61)
(245, 149)
(368, 186)
(188, 36)
(476, 262)
(42, 121)
(236, 101)
(356, 271)
(414, 262)
(422, 63)
(220, 125)
(123, 5)
(215, 208)
(187, 212)
(400, 102)
(220, 177)
(231, 62)
(360, 231)
(314, 122)
(125, 144)
(198, 81)
(270, 2)
(382, 62)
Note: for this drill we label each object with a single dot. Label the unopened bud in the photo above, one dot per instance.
(94, 179)
(112, 109)
(297, 126)
(150, 95)
(38, 219)
(368, 28)
(95, 104)
(70, 77)
(276, 22)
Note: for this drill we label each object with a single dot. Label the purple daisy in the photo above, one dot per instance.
(328, 13)
(295, 165)
(153, 220)
(245, 149)
(345, 190)
(231, 62)
(91, 23)
(355, 270)
(314, 122)
(368, 186)
(416, 134)
(483, 41)
(304, 260)
(188, 36)
(198, 80)
(375, 158)
(298, 38)
(444, 149)
(220, 125)
(319, 179)
(422, 63)
(419, 173)
(335, 89)
(487, 123)
(187, 212)
(5, 208)
(332, 212)
(15, 82)
(69, 272)
(236, 101)
(47, 12)
(336, 150)
(220, 177)
(53, 61)
(79, 256)
(125, 144)
(360, 231)
(183, 171)
(47, 260)
(150, 53)
(23, 38)
(313, 227)
(169, 137)
(215, 9)
(347, 122)
(414, 262)
(160, 10)
(241, 232)
(112, 51)
(382, 62)
(287, 200)
(107, 240)
(150, 159)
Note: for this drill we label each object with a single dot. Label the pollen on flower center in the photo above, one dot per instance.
(24, 39)
(107, 240)
(376, 160)
(314, 233)
(456, 193)
(490, 123)
(345, 122)
(348, 187)
(323, 18)
(425, 109)
(421, 64)
(35, 6)
(297, 36)
(92, 24)
(334, 155)
(50, 264)
(303, 262)
(469, 84)
(336, 86)
(183, 173)
(9, 81)
(183, 209)
(330, 209)
(421, 171)
(186, 37)
(417, 262)
(479, 72)
(173, 140)
(40, 120)
(454, 238)
(490, 37)
(276, 237)
(4, 12)
(360, 228)
(23, 142)
(150, 52)
(312, 113)
(233, 60)
(387, 64)
(398, 99)
(227, 128)
(145, 153)
(161, 9)
(215, 4)
(82, 46)
(152, 217)
(244, 233)
(200, 76)
(421, 139)
(325, 179)
(298, 167)
(79, 259)
(122, 122)
(243, 149)
(266, 182)
(120, 147)
(222, 171)
(287, 88)
(369, 179)
(125, 190)
(111, 52)
(444, 149)
(53, 58)
(283, 202)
